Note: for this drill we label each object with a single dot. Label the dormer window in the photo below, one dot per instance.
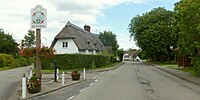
(65, 44)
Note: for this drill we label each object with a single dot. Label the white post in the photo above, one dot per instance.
(57, 74)
(24, 87)
(63, 79)
(30, 73)
(83, 73)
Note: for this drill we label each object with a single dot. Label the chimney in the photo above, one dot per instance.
(87, 28)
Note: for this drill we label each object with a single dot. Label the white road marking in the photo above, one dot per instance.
(137, 71)
(91, 84)
(71, 97)
(82, 90)
(96, 80)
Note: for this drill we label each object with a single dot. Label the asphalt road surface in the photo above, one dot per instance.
(131, 81)
(9, 81)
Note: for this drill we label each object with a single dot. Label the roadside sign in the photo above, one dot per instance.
(38, 17)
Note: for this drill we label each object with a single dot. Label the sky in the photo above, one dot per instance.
(101, 15)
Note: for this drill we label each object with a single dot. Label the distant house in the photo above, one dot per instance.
(73, 39)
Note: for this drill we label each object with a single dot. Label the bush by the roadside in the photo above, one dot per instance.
(196, 65)
(22, 61)
(120, 53)
(6, 60)
(77, 61)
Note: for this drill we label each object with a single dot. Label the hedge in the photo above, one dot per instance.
(76, 61)
(23, 61)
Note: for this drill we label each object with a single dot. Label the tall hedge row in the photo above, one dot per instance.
(77, 61)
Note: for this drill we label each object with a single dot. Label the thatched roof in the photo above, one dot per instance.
(82, 38)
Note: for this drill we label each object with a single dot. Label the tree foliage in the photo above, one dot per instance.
(153, 33)
(29, 39)
(8, 44)
(187, 20)
(120, 53)
(109, 39)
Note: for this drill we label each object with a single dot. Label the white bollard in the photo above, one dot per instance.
(24, 87)
(83, 73)
(63, 79)
(57, 74)
(30, 73)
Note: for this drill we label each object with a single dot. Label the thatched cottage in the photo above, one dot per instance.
(73, 39)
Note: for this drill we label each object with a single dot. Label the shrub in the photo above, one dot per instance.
(23, 61)
(196, 65)
(31, 52)
(77, 61)
(120, 53)
(6, 60)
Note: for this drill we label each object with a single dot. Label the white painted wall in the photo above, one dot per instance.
(94, 52)
(85, 52)
(72, 48)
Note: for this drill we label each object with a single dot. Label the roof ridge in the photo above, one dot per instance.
(74, 26)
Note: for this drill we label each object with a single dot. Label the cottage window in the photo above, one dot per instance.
(65, 44)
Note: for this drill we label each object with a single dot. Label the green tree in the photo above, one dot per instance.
(153, 33)
(29, 39)
(8, 44)
(109, 39)
(120, 53)
(187, 20)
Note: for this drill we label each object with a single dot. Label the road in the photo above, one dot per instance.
(9, 81)
(131, 81)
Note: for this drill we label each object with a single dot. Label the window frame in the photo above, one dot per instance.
(65, 45)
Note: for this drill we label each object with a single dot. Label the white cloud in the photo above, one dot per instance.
(125, 42)
(15, 15)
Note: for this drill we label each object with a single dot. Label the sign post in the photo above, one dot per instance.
(38, 21)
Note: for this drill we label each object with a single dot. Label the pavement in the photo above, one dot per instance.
(178, 73)
(48, 84)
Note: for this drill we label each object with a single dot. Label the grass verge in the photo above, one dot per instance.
(175, 66)
(5, 68)
(165, 63)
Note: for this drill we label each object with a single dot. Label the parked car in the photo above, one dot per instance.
(126, 57)
(137, 58)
